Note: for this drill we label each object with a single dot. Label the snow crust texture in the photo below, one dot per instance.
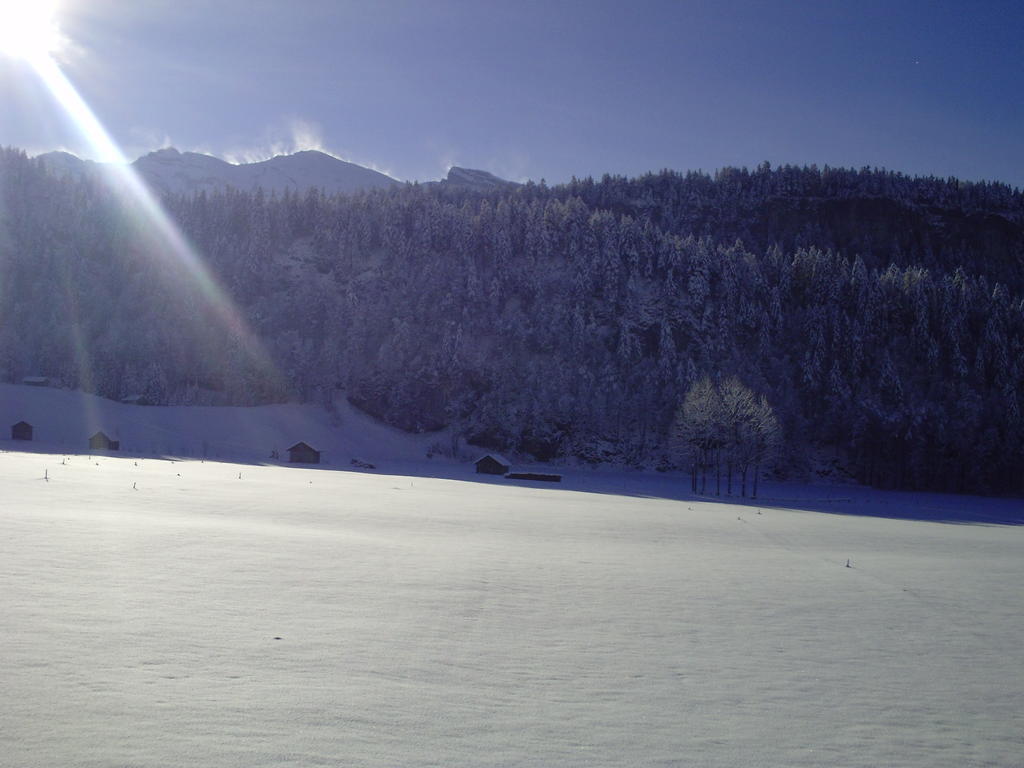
(187, 613)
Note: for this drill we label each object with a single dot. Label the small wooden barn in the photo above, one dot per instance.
(21, 431)
(492, 464)
(100, 442)
(303, 453)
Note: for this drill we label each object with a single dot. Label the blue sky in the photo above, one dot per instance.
(546, 89)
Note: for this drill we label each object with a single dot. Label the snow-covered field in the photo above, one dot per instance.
(300, 617)
(159, 613)
(63, 420)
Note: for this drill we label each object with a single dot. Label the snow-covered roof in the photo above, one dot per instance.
(300, 446)
(497, 457)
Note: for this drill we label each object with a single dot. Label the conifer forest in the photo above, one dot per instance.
(879, 317)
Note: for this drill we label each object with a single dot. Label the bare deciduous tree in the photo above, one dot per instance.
(724, 422)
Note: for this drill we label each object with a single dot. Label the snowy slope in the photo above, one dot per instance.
(291, 617)
(168, 170)
(64, 420)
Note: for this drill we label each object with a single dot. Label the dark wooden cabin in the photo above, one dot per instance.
(492, 464)
(21, 431)
(303, 453)
(100, 442)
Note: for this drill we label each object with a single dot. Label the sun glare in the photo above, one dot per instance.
(29, 32)
(28, 28)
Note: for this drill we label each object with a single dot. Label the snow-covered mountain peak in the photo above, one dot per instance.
(171, 171)
(472, 178)
(60, 163)
(316, 153)
(60, 155)
(475, 178)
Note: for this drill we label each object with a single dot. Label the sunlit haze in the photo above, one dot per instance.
(28, 28)
(37, 41)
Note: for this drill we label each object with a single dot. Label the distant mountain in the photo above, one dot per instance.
(473, 179)
(171, 171)
(66, 164)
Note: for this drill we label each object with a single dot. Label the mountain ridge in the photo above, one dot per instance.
(482, 181)
(171, 171)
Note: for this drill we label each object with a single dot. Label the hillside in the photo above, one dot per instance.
(880, 316)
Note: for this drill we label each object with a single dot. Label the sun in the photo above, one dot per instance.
(28, 28)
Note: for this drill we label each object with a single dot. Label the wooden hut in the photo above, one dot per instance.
(100, 442)
(492, 464)
(21, 431)
(303, 453)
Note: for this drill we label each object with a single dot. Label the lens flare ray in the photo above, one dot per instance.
(166, 236)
